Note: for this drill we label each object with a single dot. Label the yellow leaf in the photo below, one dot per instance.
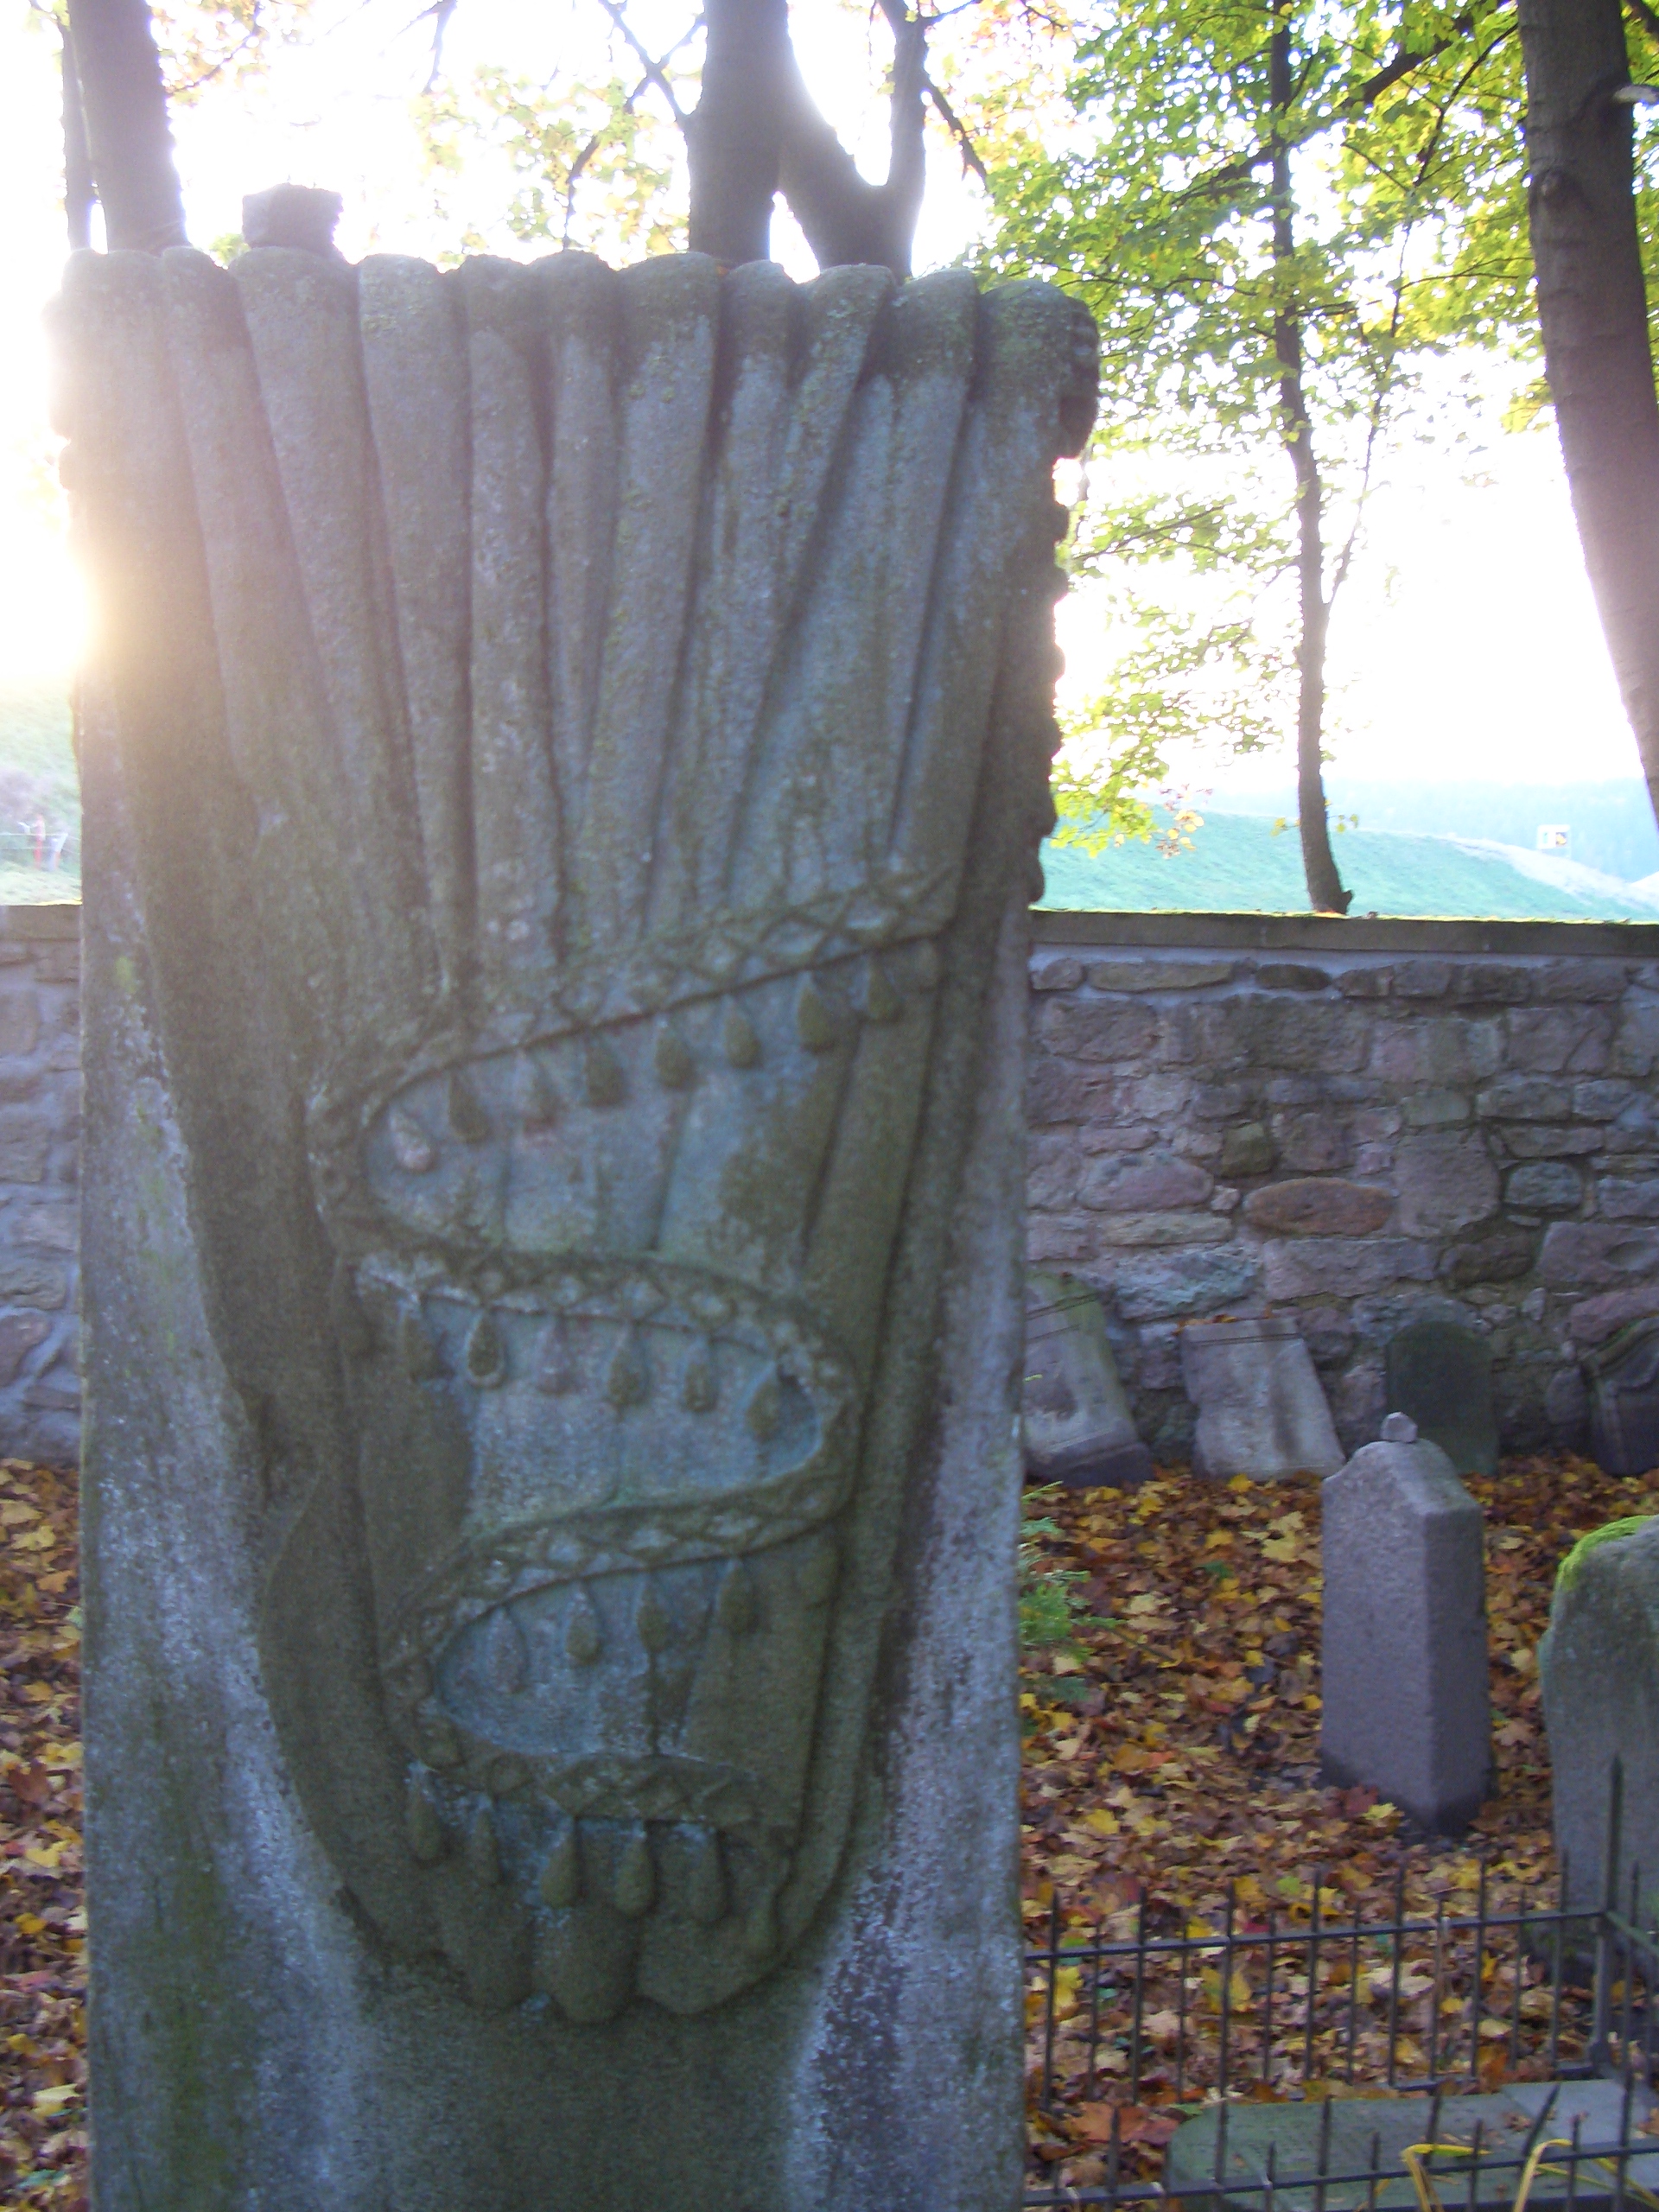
(35, 1539)
(14, 1513)
(52, 2101)
(1149, 1601)
(27, 1924)
(1102, 1822)
(1219, 1540)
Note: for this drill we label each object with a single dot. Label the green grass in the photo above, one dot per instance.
(1236, 865)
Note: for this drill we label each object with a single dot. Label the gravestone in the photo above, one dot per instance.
(1075, 1420)
(1441, 1375)
(1598, 1668)
(1623, 1380)
(1261, 1410)
(563, 766)
(1405, 1706)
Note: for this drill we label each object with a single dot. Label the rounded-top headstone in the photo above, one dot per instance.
(1440, 1372)
(1399, 1428)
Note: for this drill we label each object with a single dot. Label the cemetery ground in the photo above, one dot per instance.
(1171, 1702)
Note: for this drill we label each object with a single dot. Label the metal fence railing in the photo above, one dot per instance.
(1316, 2055)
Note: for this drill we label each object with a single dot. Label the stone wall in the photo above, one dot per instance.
(40, 1121)
(1353, 1121)
(1350, 1121)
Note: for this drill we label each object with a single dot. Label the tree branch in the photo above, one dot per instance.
(953, 124)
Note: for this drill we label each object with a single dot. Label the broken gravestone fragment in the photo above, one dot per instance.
(1623, 1380)
(1599, 1666)
(1261, 1410)
(1075, 1420)
(1404, 1700)
(565, 764)
(1441, 1375)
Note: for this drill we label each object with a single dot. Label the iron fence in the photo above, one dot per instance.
(1495, 2049)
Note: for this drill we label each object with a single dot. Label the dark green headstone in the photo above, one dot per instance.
(1441, 1376)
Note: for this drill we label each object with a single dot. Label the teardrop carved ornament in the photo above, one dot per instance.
(632, 690)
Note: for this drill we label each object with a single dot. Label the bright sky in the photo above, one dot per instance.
(1486, 659)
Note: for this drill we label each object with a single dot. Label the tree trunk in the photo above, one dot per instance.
(124, 105)
(757, 131)
(1592, 311)
(733, 138)
(80, 194)
(1324, 891)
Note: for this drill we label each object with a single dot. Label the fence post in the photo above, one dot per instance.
(1602, 2007)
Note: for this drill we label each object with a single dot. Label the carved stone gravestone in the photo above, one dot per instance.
(563, 759)
(1598, 1668)
(1261, 1410)
(1624, 1379)
(1441, 1375)
(1405, 1704)
(1074, 1418)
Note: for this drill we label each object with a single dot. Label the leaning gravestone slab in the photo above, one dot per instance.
(1440, 1376)
(1624, 1379)
(1261, 1410)
(1599, 1666)
(1074, 1418)
(563, 771)
(1404, 1703)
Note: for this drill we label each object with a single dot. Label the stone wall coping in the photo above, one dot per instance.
(56, 919)
(1330, 934)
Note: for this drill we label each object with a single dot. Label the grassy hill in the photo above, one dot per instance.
(1236, 865)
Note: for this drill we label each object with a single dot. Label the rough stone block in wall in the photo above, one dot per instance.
(1377, 1120)
(1354, 1121)
(40, 1120)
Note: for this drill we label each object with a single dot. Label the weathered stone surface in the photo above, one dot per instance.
(1635, 1043)
(1422, 979)
(1158, 1231)
(19, 1335)
(1177, 1283)
(1183, 974)
(616, 1233)
(1497, 1251)
(25, 1148)
(1075, 1420)
(1600, 1098)
(20, 1022)
(1525, 1098)
(1246, 1149)
(1446, 1179)
(1314, 1206)
(1545, 1186)
(1436, 1110)
(1622, 1198)
(1343, 1267)
(1580, 982)
(1364, 983)
(1140, 1183)
(1313, 1144)
(1592, 1320)
(1440, 1376)
(1520, 1141)
(1063, 975)
(1276, 1033)
(1096, 1029)
(1597, 1255)
(1436, 1049)
(1291, 975)
(1404, 1705)
(1623, 1380)
(1560, 1038)
(1599, 1666)
(1487, 982)
(1261, 1410)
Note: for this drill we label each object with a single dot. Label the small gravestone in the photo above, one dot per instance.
(1074, 1418)
(1441, 1375)
(1599, 1666)
(1261, 1410)
(1623, 1380)
(1405, 1703)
